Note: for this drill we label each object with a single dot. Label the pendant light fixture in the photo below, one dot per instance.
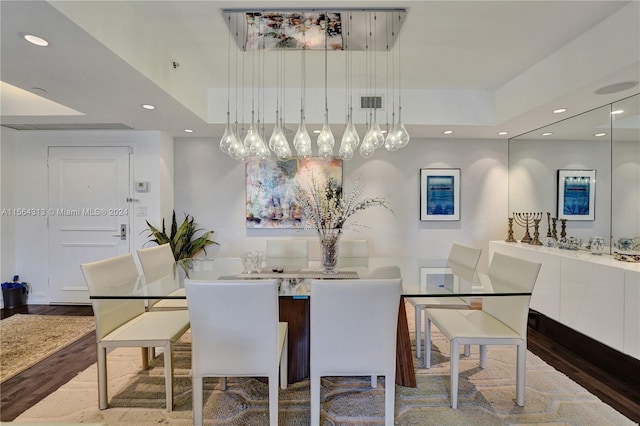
(228, 137)
(350, 138)
(277, 31)
(392, 141)
(325, 140)
(302, 141)
(401, 131)
(278, 142)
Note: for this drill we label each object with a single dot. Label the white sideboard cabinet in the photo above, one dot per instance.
(597, 296)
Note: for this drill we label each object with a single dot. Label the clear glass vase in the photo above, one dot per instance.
(329, 244)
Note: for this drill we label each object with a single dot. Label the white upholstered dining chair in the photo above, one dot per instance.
(158, 262)
(126, 323)
(385, 272)
(459, 254)
(287, 252)
(353, 333)
(353, 253)
(502, 320)
(235, 331)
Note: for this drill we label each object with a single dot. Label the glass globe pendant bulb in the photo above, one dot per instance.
(350, 135)
(403, 135)
(253, 141)
(281, 145)
(237, 151)
(227, 137)
(368, 147)
(391, 141)
(377, 133)
(346, 151)
(325, 140)
(302, 141)
(276, 136)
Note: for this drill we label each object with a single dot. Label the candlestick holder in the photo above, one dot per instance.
(549, 234)
(535, 241)
(510, 238)
(563, 228)
(554, 227)
(524, 219)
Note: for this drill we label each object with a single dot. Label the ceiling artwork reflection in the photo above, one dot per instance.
(293, 30)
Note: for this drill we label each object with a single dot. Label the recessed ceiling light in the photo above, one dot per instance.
(503, 133)
(148, 106)
(36, 40)
(188, 130)
(547, 134)
(618, 111)
(559, 110)
(600, 134)
(448, 132)
(616, 87)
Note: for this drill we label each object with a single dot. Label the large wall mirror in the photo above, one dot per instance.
(586, 169)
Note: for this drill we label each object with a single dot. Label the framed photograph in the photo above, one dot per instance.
(439, 194)
(271, 200)
(576, 194)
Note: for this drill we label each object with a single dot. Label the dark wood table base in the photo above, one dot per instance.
(296, 313)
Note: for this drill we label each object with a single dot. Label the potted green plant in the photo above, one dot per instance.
(182, 239)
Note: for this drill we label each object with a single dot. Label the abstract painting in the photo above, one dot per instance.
(271, 200)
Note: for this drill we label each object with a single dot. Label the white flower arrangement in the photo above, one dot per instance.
(326, 209)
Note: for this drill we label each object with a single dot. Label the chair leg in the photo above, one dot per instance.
(521, 373)
(374, 382)
(427, 342)
(223, 383)
(418, 321)
(455, 359)
(467, 350)
(273, 399)
(103, 397)
(198, 398)
(168, 373)
(315, 400)
(389, 399)
(483, 356)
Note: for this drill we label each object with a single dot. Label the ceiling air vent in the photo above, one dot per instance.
(368, 102)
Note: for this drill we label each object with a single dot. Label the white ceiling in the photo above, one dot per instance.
(476, 67)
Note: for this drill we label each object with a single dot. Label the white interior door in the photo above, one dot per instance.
(89, 218)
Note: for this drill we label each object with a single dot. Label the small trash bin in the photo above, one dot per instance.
(14, 294)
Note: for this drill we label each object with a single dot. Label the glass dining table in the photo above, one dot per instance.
(421, 277)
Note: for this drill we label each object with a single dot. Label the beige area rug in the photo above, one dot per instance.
(486, 396)
(28, 339)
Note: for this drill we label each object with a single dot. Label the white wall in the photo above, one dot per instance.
(211, 187)
(152, 158)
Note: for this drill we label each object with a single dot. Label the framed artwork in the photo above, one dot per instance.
(576, 194)
(271, 200)
(439, 194)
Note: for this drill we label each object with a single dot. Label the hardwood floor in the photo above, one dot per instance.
(621, 390)
(32, 385)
